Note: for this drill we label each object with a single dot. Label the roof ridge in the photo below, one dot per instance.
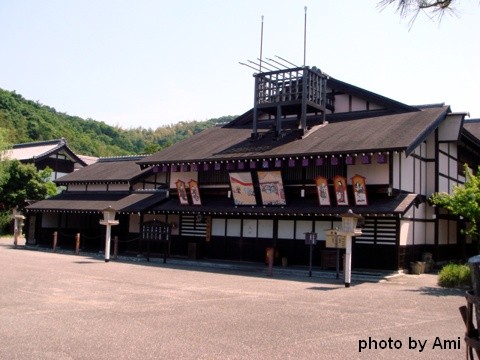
(61, 141)
(121, 158)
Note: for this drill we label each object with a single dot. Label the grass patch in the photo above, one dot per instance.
(455, 275)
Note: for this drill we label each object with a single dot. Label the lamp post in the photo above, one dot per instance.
(349, 224)
(108, 221)
(18, 219)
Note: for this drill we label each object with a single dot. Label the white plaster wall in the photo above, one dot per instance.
(76, 187)
(449, 129)
(322, 226)
(249, 228)
(358, 104)
(406, 231)
(301, 228)
(430, 181)
(184, 176)
(234, 227)
(97, 187)
(118, 187)
(286, 229)
(218, 227)
(375, 174)
(407, 174)
(265, 229)
(419, 232)
(341, 103)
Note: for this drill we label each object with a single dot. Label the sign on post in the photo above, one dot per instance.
(335, 240)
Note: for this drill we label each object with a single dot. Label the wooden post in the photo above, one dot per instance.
(15, 233)
(270, 256)
(55, 236)
(115, 247)
(77, 244)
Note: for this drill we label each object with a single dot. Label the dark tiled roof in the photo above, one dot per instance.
(86, 201)
(78, 201)
(35, 151)
(473, 127)
(379, 133)
(122, 170)
(396, 205)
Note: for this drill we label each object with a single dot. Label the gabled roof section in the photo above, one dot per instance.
(107, 170)
(400, 132)
(35, 151)
(471, 129)
(388, 103)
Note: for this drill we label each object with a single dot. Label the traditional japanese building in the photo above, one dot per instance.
(312, 148)
(55, 154)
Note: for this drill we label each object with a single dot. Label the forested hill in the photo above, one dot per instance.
(24, 120)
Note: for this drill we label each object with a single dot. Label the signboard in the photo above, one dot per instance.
(359, 190)
(334, 240)
(271, 187)
(340, 185)
(322, 191)
(182, 192)
(242, 188)
(194, 192)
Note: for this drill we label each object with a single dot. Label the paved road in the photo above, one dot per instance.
(61, 306)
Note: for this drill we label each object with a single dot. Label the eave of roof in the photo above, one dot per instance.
(385, 206)
(394, 132)
(122, 170)
(95, 202)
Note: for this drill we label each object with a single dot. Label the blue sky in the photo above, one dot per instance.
(150, 63)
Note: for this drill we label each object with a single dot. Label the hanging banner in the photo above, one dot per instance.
(271, 187)
(340, 186)
(242, 188)
(322, 191)
(182, 192)
(194, 192)
(359, 190)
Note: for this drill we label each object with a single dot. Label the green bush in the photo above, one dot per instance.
(455, 275)
(5, 222)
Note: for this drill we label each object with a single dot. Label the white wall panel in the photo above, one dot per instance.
(249, 228)
(286, 229)
(301, 228)
(234, 227)
(218, 227)
(265, 229)
(376, 174)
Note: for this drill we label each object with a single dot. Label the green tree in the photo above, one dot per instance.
(21, 182)
(464, 200)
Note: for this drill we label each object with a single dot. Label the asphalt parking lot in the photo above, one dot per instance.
(62, 306)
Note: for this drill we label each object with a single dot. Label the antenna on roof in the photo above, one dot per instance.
(288, 62)
(251, 67)
(261, 45)
(305, 38)
(259, 65)
(275, 67)
(278, 63)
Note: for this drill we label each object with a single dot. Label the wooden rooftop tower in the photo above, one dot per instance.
(293, 91)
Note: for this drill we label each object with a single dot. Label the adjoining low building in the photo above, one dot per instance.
(118, 182)
(312, 148)
(55, 154)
